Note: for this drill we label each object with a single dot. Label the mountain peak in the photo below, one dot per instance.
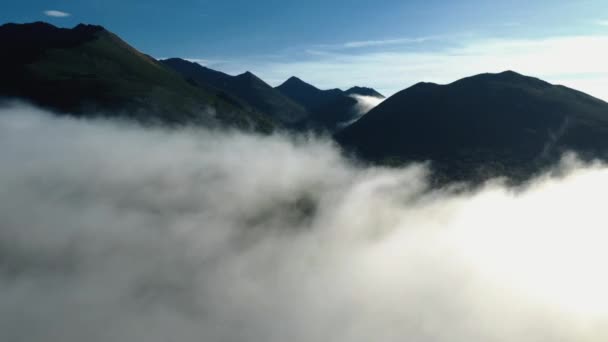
(294, 81)
(88, 28)
(510, 73)
(176, 60)
(178, 63)
(28, 41)
(508, 76)
(247, 74)
(41, 27)
(250, 77)
(34, 25)
(364, 91)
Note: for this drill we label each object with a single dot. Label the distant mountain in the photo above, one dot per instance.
(89, 70)
(363, 91)
(485, 125)
(328, 109)
(246, 87)
(306, 94)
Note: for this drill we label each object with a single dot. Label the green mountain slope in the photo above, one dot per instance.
(87, 70)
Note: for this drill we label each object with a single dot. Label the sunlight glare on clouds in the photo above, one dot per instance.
(332, 251)
(526, 242)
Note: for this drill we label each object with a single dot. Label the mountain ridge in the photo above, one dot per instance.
(364, 91)
(88, 70)
(246, 86)
(329, 109)
(483, 125)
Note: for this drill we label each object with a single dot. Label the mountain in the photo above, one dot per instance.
(329, 109)
(246, 87)
(88, 70)
(306, 94)
(363, 91)
(481, 126)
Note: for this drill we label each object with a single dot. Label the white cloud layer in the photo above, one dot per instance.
(118, 233)
(56, 14)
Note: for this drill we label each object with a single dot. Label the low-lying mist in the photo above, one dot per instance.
(366, 103)
(114, 232)
(363, 106)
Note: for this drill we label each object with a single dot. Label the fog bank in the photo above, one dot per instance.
(114, 232)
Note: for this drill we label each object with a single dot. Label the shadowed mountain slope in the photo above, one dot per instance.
(489, 124)
(329, 109)
(246, 87)
(87, 70)
(306, 94)
(364, 91)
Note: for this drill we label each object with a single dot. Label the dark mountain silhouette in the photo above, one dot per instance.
(328, 109)
(246, 87)
(485, 125)
(364, 92)
(306, 94)
(88, 69)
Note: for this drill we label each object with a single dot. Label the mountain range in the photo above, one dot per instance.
(474, 128)
(246, 87)
(295, 103)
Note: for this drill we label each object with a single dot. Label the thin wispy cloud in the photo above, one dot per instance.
(359, 44)
(602, 22)
(56, 14)
(369, 43)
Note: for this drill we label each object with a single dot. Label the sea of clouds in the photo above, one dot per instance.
(115, 232)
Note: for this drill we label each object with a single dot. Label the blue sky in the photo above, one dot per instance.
(388, 45)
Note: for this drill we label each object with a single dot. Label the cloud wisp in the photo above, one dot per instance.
(56, 14)
(113, 232)
(603, 22)
(357, 44)
(363, 106)
(368, 43)
(366, 103)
